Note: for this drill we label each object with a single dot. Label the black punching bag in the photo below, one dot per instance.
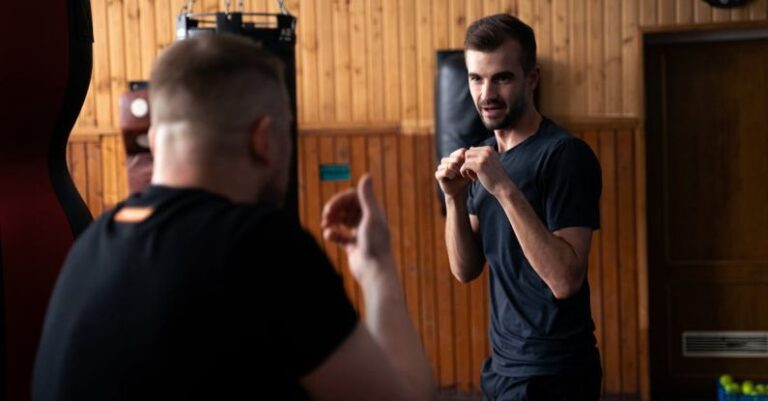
(457, 123)
(44, 76)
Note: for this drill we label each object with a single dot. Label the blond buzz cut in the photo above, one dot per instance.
(218, 84)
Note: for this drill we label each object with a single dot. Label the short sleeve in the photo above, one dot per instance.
(311, 315)
(573, 185)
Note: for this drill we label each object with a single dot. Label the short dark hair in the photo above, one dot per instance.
(489, 33)
(218, 82)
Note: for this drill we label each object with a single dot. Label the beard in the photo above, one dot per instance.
(510, 119)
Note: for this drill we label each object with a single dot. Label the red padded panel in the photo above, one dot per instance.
(34, 232)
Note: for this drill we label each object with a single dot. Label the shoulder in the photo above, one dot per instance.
(561, 144)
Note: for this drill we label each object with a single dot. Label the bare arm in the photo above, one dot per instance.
(384, 359)
(559, 257)
(464, 254)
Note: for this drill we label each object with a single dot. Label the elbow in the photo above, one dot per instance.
(567, 289)
(563, 293)
(466, 275)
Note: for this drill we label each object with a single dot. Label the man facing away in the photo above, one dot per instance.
(526, 202)
(201, 288)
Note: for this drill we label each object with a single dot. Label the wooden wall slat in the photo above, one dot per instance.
(425, 59)
(627, 261)
(684, 12)
(391, 178)
(595, 274)
(608, 235)
(410, 259)
(702, 12)
(95, 190)
(759, 10)
(101, 71)
(309, 108)
(577, 59)
(358, 50)
(342, 60)
(148, 45)
(612, 56)
(595, 66)
(117, 54)
(631, 63)
(325, 51)
(408, 61)
(542, 24)
(666, 11)
(313, 206)
(375, 60)
(392, 59)
(426, 261)
(561, 44)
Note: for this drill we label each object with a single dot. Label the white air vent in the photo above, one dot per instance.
(725, 344)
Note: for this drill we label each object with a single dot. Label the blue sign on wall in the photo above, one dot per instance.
(334, 172)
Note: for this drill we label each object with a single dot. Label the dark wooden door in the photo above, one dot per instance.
(707, 149)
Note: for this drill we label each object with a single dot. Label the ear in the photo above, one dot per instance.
(151, 137)
(533, 77)
(259, 140)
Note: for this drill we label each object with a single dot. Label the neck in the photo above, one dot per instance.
(526, 127)
(183, 163)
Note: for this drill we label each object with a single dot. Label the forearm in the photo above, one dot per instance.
(553, 259)
(464, 256)
(388, 321)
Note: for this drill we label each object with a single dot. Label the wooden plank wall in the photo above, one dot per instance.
(361, 62)
(451, 317)
(373, 60)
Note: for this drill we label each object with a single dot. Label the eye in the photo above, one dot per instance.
(504, 78)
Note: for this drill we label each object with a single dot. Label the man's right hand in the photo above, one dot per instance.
(449, 176)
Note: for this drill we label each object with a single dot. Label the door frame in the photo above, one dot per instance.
(660, 35)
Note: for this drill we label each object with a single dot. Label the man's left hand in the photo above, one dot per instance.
(482, 164)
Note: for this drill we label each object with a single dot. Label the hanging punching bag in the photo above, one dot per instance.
(457, 123)
(44, 76)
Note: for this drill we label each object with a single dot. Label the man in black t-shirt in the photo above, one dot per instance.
(202, 288)
(526, 202)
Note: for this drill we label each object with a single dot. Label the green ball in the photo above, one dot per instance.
(733, 388)
(725, 380)
(747, 387)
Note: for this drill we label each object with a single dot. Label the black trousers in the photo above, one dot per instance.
(582, 385)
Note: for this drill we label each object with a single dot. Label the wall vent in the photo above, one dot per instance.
(725, 344)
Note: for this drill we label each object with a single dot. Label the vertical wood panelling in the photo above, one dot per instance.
(373, 60)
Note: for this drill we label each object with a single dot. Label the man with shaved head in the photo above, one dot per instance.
(201, 287)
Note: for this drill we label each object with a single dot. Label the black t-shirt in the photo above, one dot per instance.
(532, 332)
(205, 299)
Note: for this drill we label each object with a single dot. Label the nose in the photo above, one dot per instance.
(488, 90)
